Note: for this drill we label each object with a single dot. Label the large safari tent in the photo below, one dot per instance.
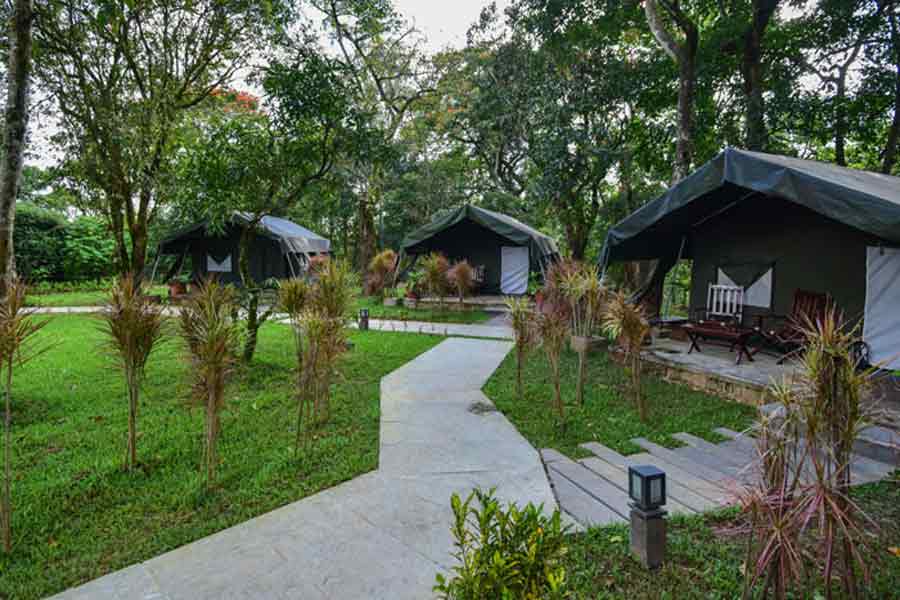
(279, 249)
(775, 225)
(507, 249)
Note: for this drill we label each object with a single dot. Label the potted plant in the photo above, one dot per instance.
(413, 287)
(178, 286)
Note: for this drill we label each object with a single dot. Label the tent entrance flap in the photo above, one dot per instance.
(514, 269)
(881, 328)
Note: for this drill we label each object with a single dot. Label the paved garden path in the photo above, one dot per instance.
(382, 535)
(496, 328)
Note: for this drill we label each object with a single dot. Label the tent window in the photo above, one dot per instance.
(756, 279)
(218, 266)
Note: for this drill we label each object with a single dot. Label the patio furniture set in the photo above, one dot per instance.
(722, 322)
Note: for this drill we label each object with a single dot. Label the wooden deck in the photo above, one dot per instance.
(700, 476)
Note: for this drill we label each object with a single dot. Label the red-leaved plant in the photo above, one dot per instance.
(799, 505)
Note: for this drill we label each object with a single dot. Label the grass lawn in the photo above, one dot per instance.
(608, 415)
(705, 556)
(377, 310)
(95, 298)
(77, 515)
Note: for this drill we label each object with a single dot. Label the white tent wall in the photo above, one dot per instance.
(881, 329)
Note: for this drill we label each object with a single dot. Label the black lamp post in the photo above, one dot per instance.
(647, 489)
(364, 319)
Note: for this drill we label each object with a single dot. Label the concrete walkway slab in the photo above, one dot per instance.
(384, 534)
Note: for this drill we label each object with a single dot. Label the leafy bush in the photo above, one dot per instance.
(434, 274)
(38, 237)
(504, 554)
(88, 251)
(461, 277)
(64, 287)
(381, 268)
(49, 248)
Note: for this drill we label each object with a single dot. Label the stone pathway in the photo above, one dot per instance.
(700, 475)
(382, 535)
(494, 329)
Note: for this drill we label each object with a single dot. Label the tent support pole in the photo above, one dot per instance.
(155, 265)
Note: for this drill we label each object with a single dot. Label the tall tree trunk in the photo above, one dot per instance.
(840, 120)
(253, 320)
(366, 242)
(684, 54)
(687, 83)
(889, 158)
(15, 129)
(752, 71)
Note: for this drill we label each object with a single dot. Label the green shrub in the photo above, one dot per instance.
(38, 237)
(88, 250)
(507, 554)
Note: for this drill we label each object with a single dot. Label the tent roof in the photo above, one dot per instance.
(864, 200)
(505, 226)
(290, 236)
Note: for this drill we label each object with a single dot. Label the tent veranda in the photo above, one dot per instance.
(773, 225)
(508, 249)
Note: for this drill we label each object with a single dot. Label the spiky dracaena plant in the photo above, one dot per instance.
(461, 277)
(806, 456)
(434, 275)
(522, 319)
(17, 330)
(833, 417)
(770, 502)
(326, 342)
(334, 289)
(211, 336)
(381, 269)
(626, 323)
(133, 327)
(580, 286)
(293, 298)
(553, 329)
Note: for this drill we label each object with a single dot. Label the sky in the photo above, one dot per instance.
(444, 22)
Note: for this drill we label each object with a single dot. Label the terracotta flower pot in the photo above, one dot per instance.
(177, 288)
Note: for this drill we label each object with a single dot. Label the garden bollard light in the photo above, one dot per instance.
(647, 489)
(364, 319)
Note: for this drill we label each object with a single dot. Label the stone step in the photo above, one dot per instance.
(705, 491)
(693, 467)
(712, 462)
(577, 502)
(580, 505)
(598, 487)
(727, 454)
(879, 443)
(742, 440)
(681, 501)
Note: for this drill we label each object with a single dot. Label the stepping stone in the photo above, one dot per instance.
(580, 505)
(550, 455)
(680, 500)
(726, 454)
(700, 492)
(741, 440)
(602, 490)
(691, 466)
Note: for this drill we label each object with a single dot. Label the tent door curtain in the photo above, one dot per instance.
(881, 328)
(514, 269)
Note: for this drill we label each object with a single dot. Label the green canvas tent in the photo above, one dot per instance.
(774, 225)
(280, 248)
(508, 249)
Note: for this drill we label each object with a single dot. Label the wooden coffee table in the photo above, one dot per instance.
(737, 338)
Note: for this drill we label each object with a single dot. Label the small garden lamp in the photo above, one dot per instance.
(647, 489)
(364, 319)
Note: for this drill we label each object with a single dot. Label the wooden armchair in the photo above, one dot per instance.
(786, 332)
